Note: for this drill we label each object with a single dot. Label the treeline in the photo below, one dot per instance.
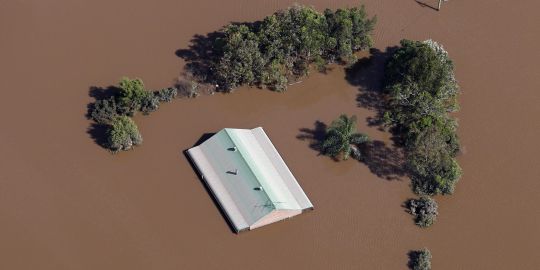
(282, 47)
(422, 91)
(115, 112)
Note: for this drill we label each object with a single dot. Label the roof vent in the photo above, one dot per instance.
(258, 188)
(234, 149)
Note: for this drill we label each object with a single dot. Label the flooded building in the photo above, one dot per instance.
(248, 178)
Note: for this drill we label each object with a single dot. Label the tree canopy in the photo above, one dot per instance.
(420, 259)
(123, 134)
(132, 95)
(422, 91)
(342, 138)
(114, 112)
(283, 45)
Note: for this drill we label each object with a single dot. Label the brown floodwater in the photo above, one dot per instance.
(66, 203)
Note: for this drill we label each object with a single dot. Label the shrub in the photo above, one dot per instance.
(342, 138)
(424, 211)
(166, 94)
(123, 134)
(150, 103)
(103, 111)
(420, 259)
(115, 112)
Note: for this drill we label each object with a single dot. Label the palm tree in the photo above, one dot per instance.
(343, 138)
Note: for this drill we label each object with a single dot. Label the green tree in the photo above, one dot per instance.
(422, 90)
(150, 103)
(123, 134)
(132, 95)
(241, 61)
(103, 111)
(285, 44)
(342, 138)
(420, 259)
(430, 158)
(424, 210)
(274, 76)
(349, 30)
(419, 78)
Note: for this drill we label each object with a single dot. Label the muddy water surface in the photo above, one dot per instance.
(65, 203)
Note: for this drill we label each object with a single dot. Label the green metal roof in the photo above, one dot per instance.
(243, 168)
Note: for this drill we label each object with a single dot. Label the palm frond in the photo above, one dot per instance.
(358, 138)
(341, 133)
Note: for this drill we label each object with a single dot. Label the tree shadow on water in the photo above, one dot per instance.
(315, 136)
(368, 74)
(99, 93)
(200, 56)
(384, 161)
(98, 132)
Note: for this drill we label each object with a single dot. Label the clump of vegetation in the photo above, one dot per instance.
(149, 104)
(342, 138)
(188, 88)
(115, 111)
(123, 134)
(133, 96)
(349, 31)
(422, 90)
(104, 111)
(284, 45)
(420, 259)
(166, 94)
(424, 211)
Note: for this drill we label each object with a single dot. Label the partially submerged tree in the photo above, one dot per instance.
(420, 259)
(342, 138)
(114, 112)
(284, 45)
(424, 210)
(166, 94)
(241, 61)
(132, 95)
(422, 90)
(350, 31)
(103, 111)
(419, 78)
(123, 134)
(430, 159)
